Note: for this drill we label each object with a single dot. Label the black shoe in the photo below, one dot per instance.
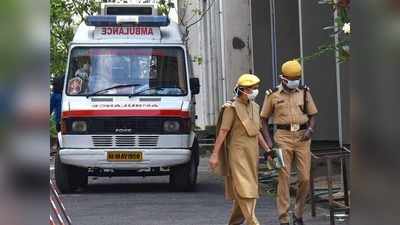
(297, 221)
(284, 223)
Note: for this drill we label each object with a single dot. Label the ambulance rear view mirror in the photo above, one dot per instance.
(195, 85)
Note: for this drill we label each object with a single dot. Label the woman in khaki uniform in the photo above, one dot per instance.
(235, 153)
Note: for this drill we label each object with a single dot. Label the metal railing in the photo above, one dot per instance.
(336, 204)
(58, 213)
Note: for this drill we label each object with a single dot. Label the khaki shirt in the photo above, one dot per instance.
(242, 149)
(287, 107)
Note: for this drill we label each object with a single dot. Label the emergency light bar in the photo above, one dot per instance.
(112, 21)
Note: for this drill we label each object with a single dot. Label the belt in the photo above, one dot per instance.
(291, 127)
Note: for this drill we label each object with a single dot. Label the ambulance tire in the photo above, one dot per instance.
(69, 178)
(183, 178)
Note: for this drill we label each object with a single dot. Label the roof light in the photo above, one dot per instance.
(111, 20)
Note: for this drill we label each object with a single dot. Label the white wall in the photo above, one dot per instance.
(237, 23)
(205, 41)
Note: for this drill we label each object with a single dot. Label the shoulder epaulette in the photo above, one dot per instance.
(270, 91)
(305, 87)
(227, 104)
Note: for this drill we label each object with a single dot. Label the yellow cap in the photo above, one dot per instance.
(291, 68)
(247, 80)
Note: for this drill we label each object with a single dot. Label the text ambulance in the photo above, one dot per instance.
(128, 101)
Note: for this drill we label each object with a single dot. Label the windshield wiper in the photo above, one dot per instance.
(147, 89)
(113, 87)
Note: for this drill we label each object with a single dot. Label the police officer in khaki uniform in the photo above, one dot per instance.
(292, 109)
(236, 150)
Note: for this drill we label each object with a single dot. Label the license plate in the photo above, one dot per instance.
(124, 156)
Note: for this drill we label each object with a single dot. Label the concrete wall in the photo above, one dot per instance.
(319, 72)
(287, 38)
(238, 46)
(226, 51)
(246, 47)
(204, 41)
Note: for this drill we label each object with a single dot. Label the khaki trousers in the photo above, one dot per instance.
(243, 210)
(298, 151)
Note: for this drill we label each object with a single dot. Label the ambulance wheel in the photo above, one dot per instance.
(69, 178)
(184, 177)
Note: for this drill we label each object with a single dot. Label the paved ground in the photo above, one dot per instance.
(146, 201)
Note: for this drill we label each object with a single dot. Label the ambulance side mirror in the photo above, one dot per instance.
(195, 85)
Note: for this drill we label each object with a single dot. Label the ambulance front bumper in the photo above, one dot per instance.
(97, 158)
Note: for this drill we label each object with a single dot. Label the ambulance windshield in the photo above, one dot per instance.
(143, 71)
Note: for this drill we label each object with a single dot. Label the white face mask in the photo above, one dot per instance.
(292, 84)
(253, 94)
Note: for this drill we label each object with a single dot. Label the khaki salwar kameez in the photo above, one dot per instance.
(239, 158)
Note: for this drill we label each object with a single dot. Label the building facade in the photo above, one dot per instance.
(234, 37)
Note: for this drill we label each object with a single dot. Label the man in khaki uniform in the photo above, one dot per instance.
(236, 150)
(293, 110)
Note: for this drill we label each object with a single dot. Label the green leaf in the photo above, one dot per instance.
(62, 28)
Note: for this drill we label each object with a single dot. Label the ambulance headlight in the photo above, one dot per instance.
(79, 126)
(171, 126)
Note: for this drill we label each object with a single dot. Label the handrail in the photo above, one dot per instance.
(56, 210)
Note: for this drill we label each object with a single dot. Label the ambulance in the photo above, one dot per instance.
(128, 105)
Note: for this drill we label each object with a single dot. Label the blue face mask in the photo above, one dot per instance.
(292, 84)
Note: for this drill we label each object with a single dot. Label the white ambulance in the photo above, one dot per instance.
(128, 101)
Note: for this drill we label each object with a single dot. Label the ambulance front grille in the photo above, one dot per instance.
(102, 141)
(125, 141)
(148, 141)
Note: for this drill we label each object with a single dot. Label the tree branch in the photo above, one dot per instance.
(184, 13)
(78, 10)
(202, 16)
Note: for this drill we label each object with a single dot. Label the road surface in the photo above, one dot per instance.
(147, 201)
